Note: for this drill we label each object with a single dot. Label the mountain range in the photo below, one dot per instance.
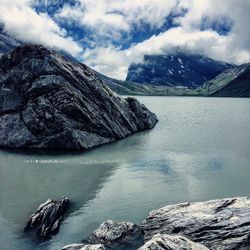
(177, 69)
(177, 74)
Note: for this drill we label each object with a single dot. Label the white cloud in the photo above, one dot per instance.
(22, 22)
(109, 22)
(112, 17)
(233, 47)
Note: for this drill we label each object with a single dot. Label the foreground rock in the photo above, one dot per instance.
(47, 217)
(218, 224)
(116, 234)
(50, 101)
(84, 247)
(171, 242)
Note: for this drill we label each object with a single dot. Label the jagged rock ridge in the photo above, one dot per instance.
(48, 101)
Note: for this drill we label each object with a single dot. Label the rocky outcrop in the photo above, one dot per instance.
(171, 242)
(218, 224)
(49, 101)
(47, 218)
(114, 234)
(84, 247)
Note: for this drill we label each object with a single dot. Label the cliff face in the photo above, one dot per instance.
(48, 101)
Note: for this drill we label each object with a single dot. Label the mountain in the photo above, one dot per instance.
(7, 43)
(234, 82)
(133, 88)
(179, 69)
(48, 101)
(199, 64)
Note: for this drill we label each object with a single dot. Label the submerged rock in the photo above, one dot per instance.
(49, 101)
(171, 242)
(84, 247)
(47, 218)
(218, 224)
(115, 234)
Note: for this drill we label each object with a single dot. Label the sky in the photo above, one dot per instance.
(109, 35)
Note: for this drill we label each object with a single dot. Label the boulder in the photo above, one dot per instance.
(47, 218)
(116, 234)
(171, 242)
(217, 224)
(50, 101)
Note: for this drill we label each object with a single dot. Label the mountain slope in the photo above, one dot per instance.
(233, 82)
(7, 43)
(178, 69)
(47, 101)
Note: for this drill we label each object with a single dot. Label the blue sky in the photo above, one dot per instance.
(109, 35)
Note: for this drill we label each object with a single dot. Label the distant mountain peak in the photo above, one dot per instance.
(177, 69)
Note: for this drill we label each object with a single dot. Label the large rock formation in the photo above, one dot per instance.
(171, 242)
(49, 101)
(47, 218)
(218, 224)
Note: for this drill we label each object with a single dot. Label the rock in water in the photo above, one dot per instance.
(49, 101)
(218, 224)
(171, 242)
(47, 217)
(114, 234)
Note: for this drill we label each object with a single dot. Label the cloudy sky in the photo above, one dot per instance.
(109, 35)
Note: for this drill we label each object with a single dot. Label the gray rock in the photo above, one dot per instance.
(171, 242)
(47, 218)
(48, 101)
(218, 224)
(84, 247)
(114, 233)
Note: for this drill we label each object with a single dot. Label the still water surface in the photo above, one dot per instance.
(199, 150)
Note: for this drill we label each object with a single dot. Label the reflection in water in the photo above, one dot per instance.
(30, 183)
(197, 150)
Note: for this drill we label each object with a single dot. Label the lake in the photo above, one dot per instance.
(199, 150)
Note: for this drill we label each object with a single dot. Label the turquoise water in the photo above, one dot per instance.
(199, 150)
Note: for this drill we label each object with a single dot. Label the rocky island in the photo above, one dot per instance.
(217, 224)
(50, 101)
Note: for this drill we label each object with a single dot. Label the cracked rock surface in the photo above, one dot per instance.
(217, 224)
(50, 101)
(171, 242)
(117, 235)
